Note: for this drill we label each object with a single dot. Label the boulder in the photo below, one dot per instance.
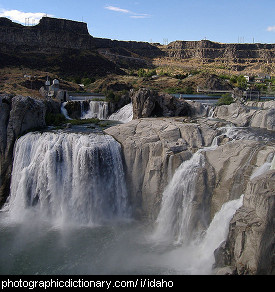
(148, 103)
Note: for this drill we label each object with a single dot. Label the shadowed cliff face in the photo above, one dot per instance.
(66, 46)
(62, 45)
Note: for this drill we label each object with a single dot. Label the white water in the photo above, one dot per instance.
(173, 222)
(124, 115)
(197, 257)
(272, 167)
(64, 111)
(76, 178)
(67, 178)
(98, 109)
(268, 165)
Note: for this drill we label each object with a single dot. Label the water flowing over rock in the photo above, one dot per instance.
(124, 115)
(97, 109)
(83, 109)
(249, 248)
(174, 222)
(68, 178)
(18, 115)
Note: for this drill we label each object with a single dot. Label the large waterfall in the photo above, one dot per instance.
(68, 177)
(69, 189)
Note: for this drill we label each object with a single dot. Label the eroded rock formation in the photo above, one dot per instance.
(249, 249)
(18, 115)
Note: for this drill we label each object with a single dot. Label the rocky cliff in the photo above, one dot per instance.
(67, 46)
(211, 51)
(60, 44)
(18, 115)
(249, 248)
(154, 148)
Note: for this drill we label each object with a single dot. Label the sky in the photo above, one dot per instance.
(158, 21)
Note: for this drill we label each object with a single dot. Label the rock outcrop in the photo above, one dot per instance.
(249, 248)
(18, 115)
(148, 103)
(258, 115)
(154, 148)
(209, 51)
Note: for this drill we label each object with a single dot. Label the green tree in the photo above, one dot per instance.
(242, 82)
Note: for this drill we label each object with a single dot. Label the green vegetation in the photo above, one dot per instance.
(55, 119)
(59, 120)
(239, 81)
(226, 99)
(146, 73)
(84, 122)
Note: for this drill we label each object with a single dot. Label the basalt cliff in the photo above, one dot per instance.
(60, 45)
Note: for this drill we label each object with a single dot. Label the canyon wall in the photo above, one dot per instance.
(211, 51)
(55, 41)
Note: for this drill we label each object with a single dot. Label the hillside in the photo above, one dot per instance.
(65, 49)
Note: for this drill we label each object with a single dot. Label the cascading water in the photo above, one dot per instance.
(124, 115)
(197, 258)
(98, 109)
(64, 111)
(173, 222)
(68, 177)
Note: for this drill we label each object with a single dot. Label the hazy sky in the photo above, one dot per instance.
(227, 21)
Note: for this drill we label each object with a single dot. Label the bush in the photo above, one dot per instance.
(226, 99)
(55, 119)
(146, 73)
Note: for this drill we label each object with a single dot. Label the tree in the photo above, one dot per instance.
(242, 82)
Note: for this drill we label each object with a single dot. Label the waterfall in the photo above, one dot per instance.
(124, 115)
(215, 235)
(98, 109)
(197, 258)
(68, 177)
(64, 111)
(272, 167)
(173, 222)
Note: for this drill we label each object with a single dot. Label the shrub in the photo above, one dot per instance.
(55, 119)
(226, 99)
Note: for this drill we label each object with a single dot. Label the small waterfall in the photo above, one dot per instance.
(124, 115)
(64, 111)
(68, 177)
(197, 258)
(211, 113)
(268, 165)
(272, 167)
(173, 222)
(98, 109)
(215, 235)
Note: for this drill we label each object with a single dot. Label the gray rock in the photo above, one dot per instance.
(249, 248)
(148, 103)
(18, 115)
(258, 115)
